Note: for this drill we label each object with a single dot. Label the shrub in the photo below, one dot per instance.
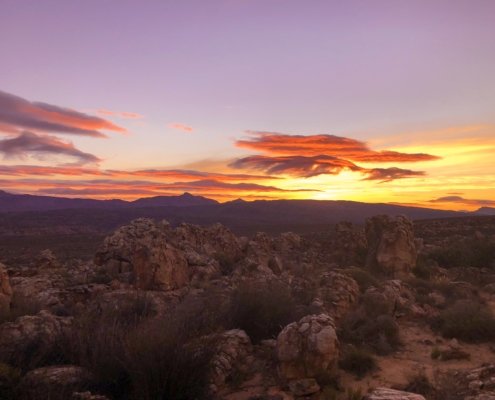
(380, 334)
(466, 320)
(420, 384)
(21, 305)
(358, 362)
(9, 379)
(262, 309)
(140, 358)
(466, 253)
(363, 278)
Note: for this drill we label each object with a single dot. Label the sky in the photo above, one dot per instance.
(383, 101)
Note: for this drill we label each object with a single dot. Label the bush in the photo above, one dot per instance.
(420, 384)
(466, 253)
(363, 278)
(9, 379)
(21, 306)
(380, 334)
(262, 309)
(135, 357)
(358, 362)
(466, 320)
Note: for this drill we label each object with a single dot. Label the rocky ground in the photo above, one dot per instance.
(391, 311)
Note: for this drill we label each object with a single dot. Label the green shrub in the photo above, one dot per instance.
(466, 320)
(358, 362)
(380, 334)
(262, 309)
(363, 278)
(466, 253)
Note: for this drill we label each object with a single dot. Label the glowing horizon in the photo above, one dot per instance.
(259, 99)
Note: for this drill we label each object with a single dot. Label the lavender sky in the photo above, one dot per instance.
(183, 85)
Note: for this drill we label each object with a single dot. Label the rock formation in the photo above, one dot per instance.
(308, 347)
(5, 290)
(141, 253)
(391, 246)
(392, 394)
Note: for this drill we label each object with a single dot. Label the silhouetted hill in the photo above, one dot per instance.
(184, 200)
(485, 211)
(24, 202)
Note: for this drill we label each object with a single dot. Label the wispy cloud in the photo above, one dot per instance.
(462, 200)
(39, 146)
(18, 114)
(181, 127)
(390, 174)
(119, 114)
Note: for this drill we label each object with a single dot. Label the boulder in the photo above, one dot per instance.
(31, 337)
(215, 241)
(5, 290)
(47, 260)
(392, 394)
(349, 244)
(308, 347)
(54, 382)
(141, 253)
(391, 246)
(232, 349)
(338, 293)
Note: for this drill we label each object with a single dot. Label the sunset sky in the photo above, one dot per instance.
(375, 101)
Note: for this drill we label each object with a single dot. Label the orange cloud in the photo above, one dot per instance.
(181, 127)
(328, 145)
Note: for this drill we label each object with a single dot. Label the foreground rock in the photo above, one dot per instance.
(308, 347)
(232, 350)
(54, 382)
(140, 253)
(31, 337)
(5, 291)
(391, 394)
(391, 246)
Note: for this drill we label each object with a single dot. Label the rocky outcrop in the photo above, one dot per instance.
(338, 293)
(232, 349)
(349, 244)
(391, 246)
(47, 260)
(214, 241)
(392, 394)
(141, 253)
(5, 290)
(308, 347)
(31, 337)
(54, 382)
(391, 297)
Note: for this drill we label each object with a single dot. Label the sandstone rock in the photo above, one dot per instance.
(31, 336)
(391, 394)
(304, 387)
(338, 292)
(391, 245)
(54, 382)
(141, 253)
(349, 243)
(232, 349)
(47, 260)
(5, 290)
(308, 347)
(213, 241)
(391, 297)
